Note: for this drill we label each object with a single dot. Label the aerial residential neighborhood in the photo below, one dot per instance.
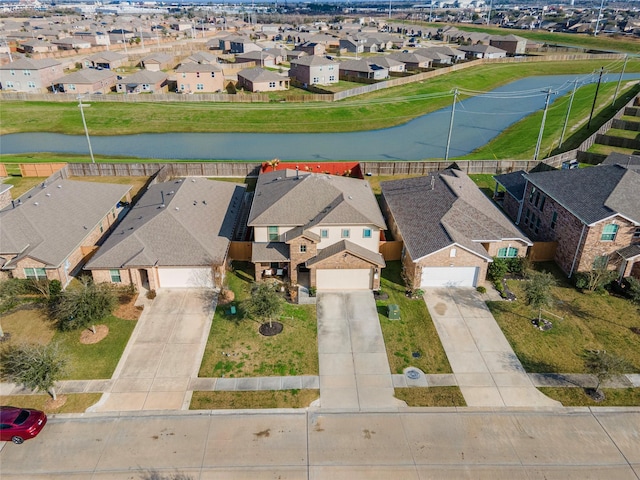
(319, 240)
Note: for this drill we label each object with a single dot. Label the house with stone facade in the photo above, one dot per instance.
(592, 213)
(177, 235)
(451, 231)
(317, 230)
(51, 230)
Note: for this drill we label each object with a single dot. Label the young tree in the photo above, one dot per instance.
(37, 367)
(537, 290)
(603, 366)
(84, 306)
(264, 302)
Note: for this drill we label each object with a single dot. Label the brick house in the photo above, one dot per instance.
(450, 229)
(312, 70)
(51, 230)
(199, 78)
(177, 235)
(30, 75)
(592, 213)
(318, 230)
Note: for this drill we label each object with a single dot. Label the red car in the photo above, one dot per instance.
(20, 424)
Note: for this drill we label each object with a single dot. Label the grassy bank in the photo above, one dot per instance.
(385, 108)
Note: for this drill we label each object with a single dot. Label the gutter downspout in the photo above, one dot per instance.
(573, 264)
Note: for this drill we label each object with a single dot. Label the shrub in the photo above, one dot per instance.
(481, 289)
(594, 280)
(81, 307)
(312, 291)
(633, 289)
(151, 294)
(497, 269)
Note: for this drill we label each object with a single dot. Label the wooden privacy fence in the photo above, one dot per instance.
(391, 250)
(543, 251)
(186, 169)
(3, 170)
(40, 169)
(240, 251)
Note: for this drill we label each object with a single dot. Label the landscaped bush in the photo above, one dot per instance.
(151, 294)
(594, 280)
(633, 289)
(81, 307)
(481, 289)
(497, 269)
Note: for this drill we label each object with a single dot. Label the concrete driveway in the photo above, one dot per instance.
(487, 370)
(163, 354)
(354, 369)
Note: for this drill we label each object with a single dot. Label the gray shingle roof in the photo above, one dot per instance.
(347, 246)
(108, 56)
(513, 182)
(444, 208)
(88, 75)
(630, 252)
(282, 199)
(270, 252)
(593, 194)
(631, 162)
(144, 76)
(193, 228)
(260, 75)
(52, 222)
(191, 67)
(30, 64)
(313, 60)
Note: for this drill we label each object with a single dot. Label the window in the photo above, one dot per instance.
(31, 84)
(332, 78)
(609, 232)
(527, 214)
(600, 262)
(272, 232)
(452, 252)
(272, 84)
(27, 73)
(9, 84)
(366, 233)
(71, 86)
(324, 233)
(200, 86)
(542, 200)
(303, 249)
(537, 227)
(184, 75)
(145, 86)
(35, 273)
(315, 80)
(213, 74)
(182, 86)
(115, 276)
(101, 229)
(345, 233)
(197, 74)
(508, 252)
(636, 233)
(532, 193)
(13, 72)
(554, 220)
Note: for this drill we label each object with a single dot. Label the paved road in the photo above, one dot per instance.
(413, 444)
(486, 368)
(354, 369)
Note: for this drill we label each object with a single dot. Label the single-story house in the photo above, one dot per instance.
(87, 81)
(259, 80)
(363, 68)
(106, 60)
(50, 231)
(157, 61)
(451, 231)
(177, 235)
(144, 81)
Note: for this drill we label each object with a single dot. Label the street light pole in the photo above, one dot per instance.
(453, 111)
(86, 130)
(544, 118)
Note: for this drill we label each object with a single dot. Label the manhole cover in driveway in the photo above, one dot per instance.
(413, 374)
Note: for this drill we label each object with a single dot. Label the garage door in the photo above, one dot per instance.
(449, 277)
(353, 279)
(185, 277)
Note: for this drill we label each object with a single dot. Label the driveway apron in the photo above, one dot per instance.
(486, 369)
(163, 354)
(354, 369)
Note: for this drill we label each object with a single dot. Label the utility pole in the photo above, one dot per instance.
(595, 97)
(544, 119)
(566, 120)
(595, 33)
(84, 123)
(615, 95)
(453, 111)
(389, 9)
(489, 14)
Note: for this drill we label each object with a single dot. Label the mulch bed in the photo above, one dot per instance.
(127, 309)
(87, 337)
(270, 329)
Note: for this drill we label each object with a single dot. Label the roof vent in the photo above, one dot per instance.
(171, 192)
(193, 180)
(36, 204)
(177, 208)
(350, 197)
(59, 186)
(47, 194)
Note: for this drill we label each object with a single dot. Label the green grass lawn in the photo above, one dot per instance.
(235, 348)
(607, 149)
(414, 333)
(384, 108)
(576, 397)
(590, 321)
(431, 396)
(260, 399)
(76, 402)
(616, 132)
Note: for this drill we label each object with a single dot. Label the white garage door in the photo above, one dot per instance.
(353, 279)
(449, 277)
(185, 277)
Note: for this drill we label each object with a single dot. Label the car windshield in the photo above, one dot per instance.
(24, 414)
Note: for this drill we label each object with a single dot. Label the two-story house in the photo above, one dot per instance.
(199, 78)
(312, 70)
(592, 213)
(319, 230)
(30, 75)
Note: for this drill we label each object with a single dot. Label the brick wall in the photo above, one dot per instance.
(493, 247)
(463, 258)
(511, 206)
(595, 247)
(297, 257)
(342, 261)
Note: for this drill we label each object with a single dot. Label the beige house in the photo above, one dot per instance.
(87, 81)
(157, 61)
(199, 78)
(176, 236)
(143, 82)
(30, 75)
(450, 229)
(37, 46)
(312, 70)
(106, 60)
(317, 230)
(259, 80)
(51, 230)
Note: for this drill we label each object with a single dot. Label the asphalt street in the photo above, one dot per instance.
(412, 444)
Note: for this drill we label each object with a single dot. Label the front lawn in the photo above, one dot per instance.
(76, 402)
(576, 397)
(413, 340)
(590, 322)
(260, 399)
(235, 348)
(431, 396)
